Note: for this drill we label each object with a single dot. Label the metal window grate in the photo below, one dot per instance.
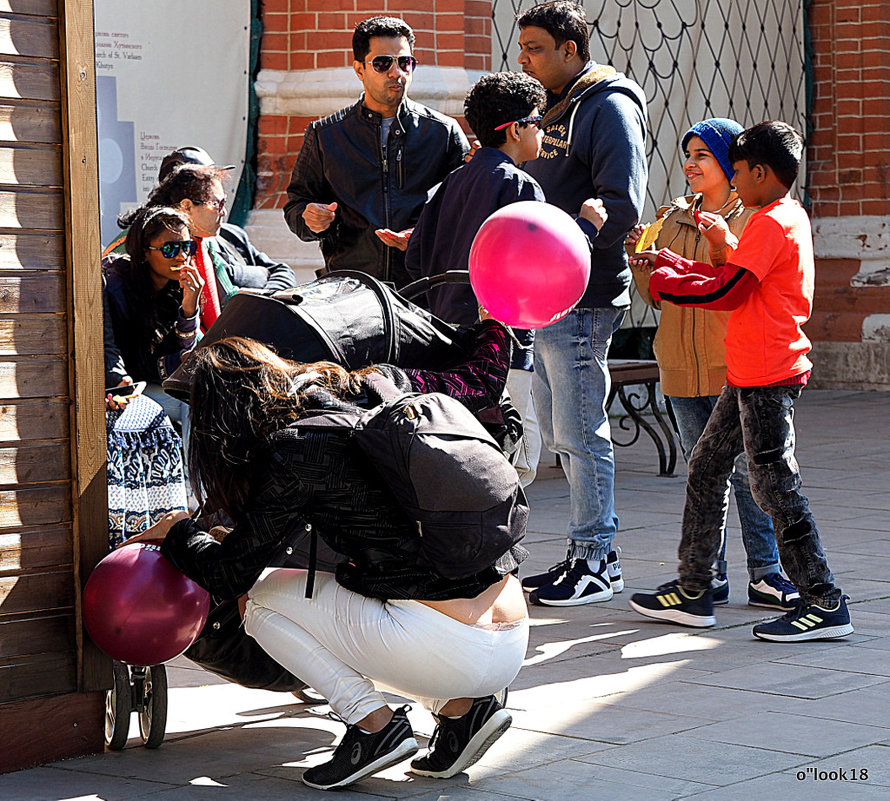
(694, 59)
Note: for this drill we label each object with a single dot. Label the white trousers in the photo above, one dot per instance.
(350, 648)
(519, 385)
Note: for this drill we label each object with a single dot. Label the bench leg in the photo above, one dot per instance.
(634, 406)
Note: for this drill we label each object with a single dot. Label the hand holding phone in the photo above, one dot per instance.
(125, 391)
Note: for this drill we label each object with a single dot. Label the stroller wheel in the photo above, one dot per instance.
(153, 706)
(118, 708)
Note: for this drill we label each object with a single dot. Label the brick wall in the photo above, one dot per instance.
(849, 167)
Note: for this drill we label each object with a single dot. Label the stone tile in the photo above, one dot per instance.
(852, 659)
(867, 706)
(686, 756)
(69, 780)
(874, 759)
(569, 780)
(795, 734)
(791, 680)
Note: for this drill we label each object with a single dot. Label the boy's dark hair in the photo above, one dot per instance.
(390, 27)
(498, 98)
(564, 20)
(774, 144)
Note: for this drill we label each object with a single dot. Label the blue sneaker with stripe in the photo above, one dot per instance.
(808, 621)
(673, 604)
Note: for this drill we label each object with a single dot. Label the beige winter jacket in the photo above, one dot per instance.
(689, 342)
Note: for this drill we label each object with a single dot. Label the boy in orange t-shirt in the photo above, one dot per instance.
(767, 282)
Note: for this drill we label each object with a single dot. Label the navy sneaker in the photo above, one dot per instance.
(808, 621)
(773, 591)
(575, 586)
(613, 563)
(458, 743)
(671, 603)
(719, 590)
(361, 754)
(551, 574)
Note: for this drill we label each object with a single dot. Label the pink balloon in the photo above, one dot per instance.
(140, 609)
(529, 264)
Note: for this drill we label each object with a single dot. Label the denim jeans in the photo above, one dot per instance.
(758, 421)
(757, 529)
(570, 388)
(519, 385)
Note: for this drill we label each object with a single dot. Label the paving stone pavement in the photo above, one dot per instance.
(608, 706)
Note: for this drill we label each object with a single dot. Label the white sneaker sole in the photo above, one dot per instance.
(676, 616)
(617, 584)
(819, 634)
(598, 598)
(481, 741)
(405, 749)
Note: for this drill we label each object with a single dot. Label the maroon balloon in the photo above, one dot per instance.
(140, 609)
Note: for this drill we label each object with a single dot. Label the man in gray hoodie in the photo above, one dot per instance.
(594, 146)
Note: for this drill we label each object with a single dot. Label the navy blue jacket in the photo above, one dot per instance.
(594, 146)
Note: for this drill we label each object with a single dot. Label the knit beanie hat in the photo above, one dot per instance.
(717, 133)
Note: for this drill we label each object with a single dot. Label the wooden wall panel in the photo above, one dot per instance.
(28, 121)
(35, 463)
(34, 548)
(34, 378)
(36, 635)
(25, 729)
(33, 336)
(32, 676)
(34, 293)
(26, 81)
(29, 421)
(43, 8)
(31, 209)
(32, 250)
(28, 36)
(36, 592)
(30, 166)
(35, 506)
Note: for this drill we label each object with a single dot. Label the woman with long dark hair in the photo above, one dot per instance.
(386, 618)
(151, 297)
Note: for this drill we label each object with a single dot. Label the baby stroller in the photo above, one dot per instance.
(145, 482)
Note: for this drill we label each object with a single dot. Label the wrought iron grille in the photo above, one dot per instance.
(695, 59)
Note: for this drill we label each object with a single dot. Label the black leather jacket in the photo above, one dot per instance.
(342, 160)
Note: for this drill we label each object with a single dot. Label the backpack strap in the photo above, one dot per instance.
(381, 386)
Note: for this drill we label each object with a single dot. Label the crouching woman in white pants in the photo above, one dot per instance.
(386, 619)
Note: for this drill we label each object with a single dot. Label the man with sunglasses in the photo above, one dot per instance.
(594, 146)
(363, 173)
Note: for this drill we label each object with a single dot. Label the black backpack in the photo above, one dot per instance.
(444, 469)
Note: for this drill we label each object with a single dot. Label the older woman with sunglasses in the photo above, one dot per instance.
(151, 302)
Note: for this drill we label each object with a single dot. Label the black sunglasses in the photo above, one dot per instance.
(535, 120)
(384, 63)
(170, 250)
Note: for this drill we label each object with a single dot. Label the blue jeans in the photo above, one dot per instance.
(757, 529)
(760, 422)
(570, 388)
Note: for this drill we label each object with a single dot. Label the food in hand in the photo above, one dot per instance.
(648, 237)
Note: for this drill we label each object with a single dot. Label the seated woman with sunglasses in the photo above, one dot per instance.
(151, 301)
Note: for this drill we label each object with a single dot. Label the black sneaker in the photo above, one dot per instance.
(575, 586)
(808, 621)
(773, 591)
(458, 743)
(719, 590)
(672, 603)
(360, 754)
(531, 583)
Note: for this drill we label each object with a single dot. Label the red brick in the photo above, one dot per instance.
(450, 41)
(331, 58)
(302, 61)
(272, 125)
(276, 23)
(274, 61)
(274, 43)
(878, 207)
(272, 6)
(331, 22)
(303, 22)
(451, 59)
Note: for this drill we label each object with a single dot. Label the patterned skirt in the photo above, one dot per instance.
(145, 471)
